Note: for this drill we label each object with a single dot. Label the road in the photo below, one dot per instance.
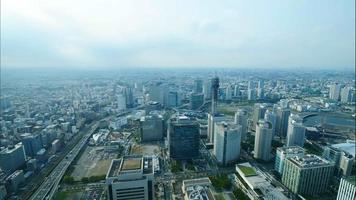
(50, 185)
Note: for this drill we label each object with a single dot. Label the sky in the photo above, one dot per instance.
(89, 34)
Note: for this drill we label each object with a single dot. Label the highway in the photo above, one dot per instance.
(50, 185)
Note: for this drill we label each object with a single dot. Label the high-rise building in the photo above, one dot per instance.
(31, 143)
(131, 177)
(151, 128)
(207, 90)
(214, 90)
(346, 94)
(251, 94)
(347, 189)
(198, 86)
(296, 131)
(129, 97)
(15, 180)
(212, 119)
(12, 158)
(282, 121)
(196, 100)
(159, 93)
(183, 138)
(307, 175)
(334, 93)
(345, 166)
(283, 153)
(241, 119)
(260, 92)
(228, 93)
(236, 91)
(258, 113)
(121, 102)
(227, 142)
(263, 140)
(173, 99)
(271, 117)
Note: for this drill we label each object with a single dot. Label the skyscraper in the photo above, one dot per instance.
(214, 90)
(263, 140)
(241, 119)
(183, 138)
(258, 113)
(151, 128)
(346, 94)
(212, 119)
(296, 131)
(207, 90)
(334, 93)
(307, 175)
(282, 121)
(271, 117)
(227, 142)
(228, 93)
(198, 86)
(129, 97)
(283, 153)
(131, 177)
(31, 143)
(196, 100)
(260, 92)
(121, 102)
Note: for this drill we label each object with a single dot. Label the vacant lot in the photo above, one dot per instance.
(93, 162)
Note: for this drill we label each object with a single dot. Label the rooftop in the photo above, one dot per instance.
(247, 171)
(309, 160)
(130, 164)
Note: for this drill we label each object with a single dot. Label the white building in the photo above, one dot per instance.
(283, 153)
(241, 119)
(227, 142)
(334, 93)
(296, 131)
(346, 94)
(271, 117)
(347, 189)
(130, 177)
(211, 123)
(263, 140)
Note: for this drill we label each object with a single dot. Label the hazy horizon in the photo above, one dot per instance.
(115, 35)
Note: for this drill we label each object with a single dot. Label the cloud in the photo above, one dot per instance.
(93, 33)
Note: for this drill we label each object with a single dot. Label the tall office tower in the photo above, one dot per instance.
(308, 175)
(212, 119)
(270, 116)
(282, 121)
(334, 92)
(196, 100)
(121, 102)
(12, 158)
(172, 99)
(151, 128)
(131, 177)
(183, 138)
(258, 113)
(31, 143)
(346, 94)
(251, 94)
(129, 97)
(198, 86)
(250, 85)
(236, 91)
(263, 140)
(296, 131)
(159, 93)
(347, 189)
(207, 90)
(227, 142)
(228, 93)
(260, 91)
(283, 153)
(241, 119)
(214, 90)
(345, 166)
